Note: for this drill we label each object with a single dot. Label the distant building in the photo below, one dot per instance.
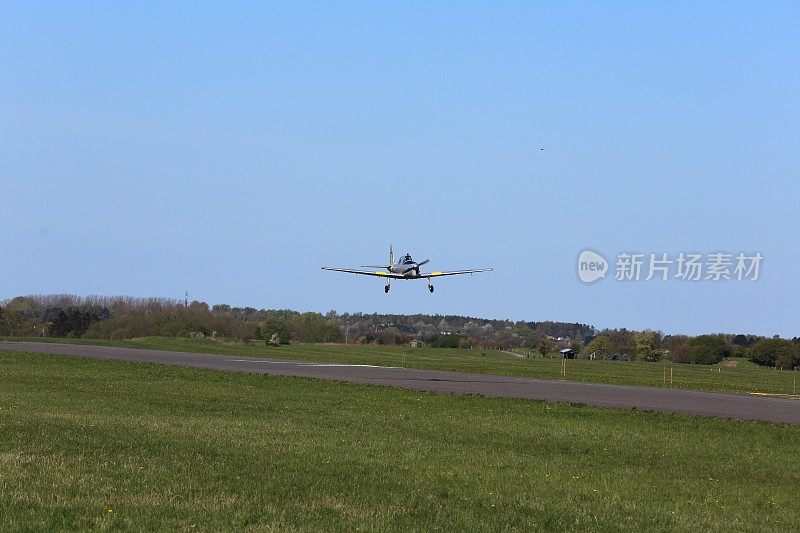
(567, 353)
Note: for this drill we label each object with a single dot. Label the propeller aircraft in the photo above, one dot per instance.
(404, 268)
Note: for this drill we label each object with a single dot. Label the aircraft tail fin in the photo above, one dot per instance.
(387, 266)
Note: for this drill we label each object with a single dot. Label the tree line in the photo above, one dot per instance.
(104, 317)
(127, 318)
(702, 349)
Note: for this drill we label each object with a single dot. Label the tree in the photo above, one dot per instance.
(599, 346)
(312, 327)
(682, 353)
(466, 342)
(545, 346)
(530, 341)
(196, 305)
(775, 352)
(708, 349)
(788, 358)
(276, 327)
(740, 340)
(621, 341)
(645, 346)
(71, 322)
(444, 341)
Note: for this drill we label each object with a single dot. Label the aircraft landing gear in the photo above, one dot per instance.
(386, 288)
(430, 287)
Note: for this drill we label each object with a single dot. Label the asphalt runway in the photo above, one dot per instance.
(723, 405)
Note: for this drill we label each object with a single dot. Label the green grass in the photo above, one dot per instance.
(745, 377)
(88, 444)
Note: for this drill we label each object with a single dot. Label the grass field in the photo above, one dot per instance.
(90, 444)
(745, 377)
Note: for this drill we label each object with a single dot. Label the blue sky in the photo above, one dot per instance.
(232, 149)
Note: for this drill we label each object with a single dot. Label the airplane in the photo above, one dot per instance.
(404, 268)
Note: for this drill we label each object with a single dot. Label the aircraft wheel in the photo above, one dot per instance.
(386, 289)
(430, 288)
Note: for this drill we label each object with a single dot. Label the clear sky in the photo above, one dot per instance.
(232, 149)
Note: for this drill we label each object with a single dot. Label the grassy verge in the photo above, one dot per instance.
(93, 444)
(745, 377)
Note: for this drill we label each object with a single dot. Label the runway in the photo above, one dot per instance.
(713, 404)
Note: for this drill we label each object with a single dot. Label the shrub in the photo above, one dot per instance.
(708, 349)
(775, 352)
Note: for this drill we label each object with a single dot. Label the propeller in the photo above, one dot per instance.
(420, 264)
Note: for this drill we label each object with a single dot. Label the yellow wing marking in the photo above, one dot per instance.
(380, 273)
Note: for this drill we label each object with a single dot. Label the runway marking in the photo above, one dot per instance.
(777, 395)
(300, 363)
(259, 361)
(343, 364)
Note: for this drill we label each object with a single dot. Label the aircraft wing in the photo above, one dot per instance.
(366, 273)
(453, 273)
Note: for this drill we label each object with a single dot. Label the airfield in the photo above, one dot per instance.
(735, 406)
(88, 442)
